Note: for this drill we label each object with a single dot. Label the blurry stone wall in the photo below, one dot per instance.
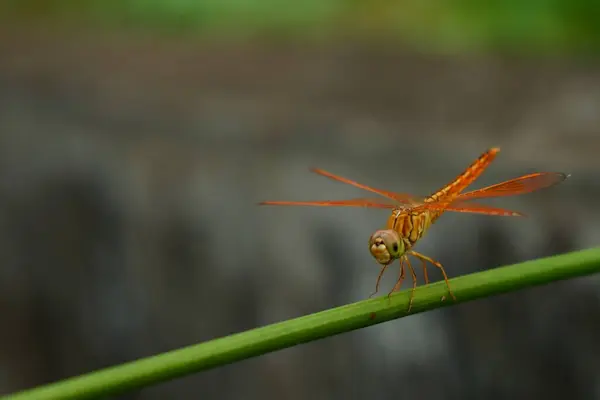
(130, 169)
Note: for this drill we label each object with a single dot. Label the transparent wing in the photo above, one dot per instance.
(362, 202)
(398, 197)
(461, 203)
(523, 184)
(468, 207)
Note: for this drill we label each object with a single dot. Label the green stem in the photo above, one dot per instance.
(222, 351)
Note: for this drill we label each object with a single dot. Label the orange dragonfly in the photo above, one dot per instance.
(412, 216)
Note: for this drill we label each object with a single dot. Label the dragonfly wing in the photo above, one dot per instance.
(398, 197)
(524, 184)
(468, 207)
(335, 203)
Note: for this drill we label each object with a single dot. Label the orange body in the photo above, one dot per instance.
(412, 225)
(411, 216)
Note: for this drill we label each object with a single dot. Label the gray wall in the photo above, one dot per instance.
(130, 168)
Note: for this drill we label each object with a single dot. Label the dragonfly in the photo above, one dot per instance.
(412, 216)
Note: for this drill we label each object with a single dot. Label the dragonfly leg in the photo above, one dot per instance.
(438, 265)
(425, 271)
(414, 277)
(400, 278)
(378, 280)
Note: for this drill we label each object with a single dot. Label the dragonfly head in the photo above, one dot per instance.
(386, 246)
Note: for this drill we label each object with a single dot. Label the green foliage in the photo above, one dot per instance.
(534, 25)
(222, 351)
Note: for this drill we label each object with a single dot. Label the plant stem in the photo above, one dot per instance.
(240, 346)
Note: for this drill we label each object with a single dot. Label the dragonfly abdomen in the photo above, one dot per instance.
(469, 175)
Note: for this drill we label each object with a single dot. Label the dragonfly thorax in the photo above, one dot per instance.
(386, 246)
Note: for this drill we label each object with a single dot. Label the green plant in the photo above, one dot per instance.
(218, 352)
(465, 25)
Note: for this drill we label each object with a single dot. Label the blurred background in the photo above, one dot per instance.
(136, 138)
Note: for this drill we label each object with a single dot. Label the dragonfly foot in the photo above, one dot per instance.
(389, 296)
(410, 302)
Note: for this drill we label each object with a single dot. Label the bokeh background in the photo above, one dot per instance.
(136, 138)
